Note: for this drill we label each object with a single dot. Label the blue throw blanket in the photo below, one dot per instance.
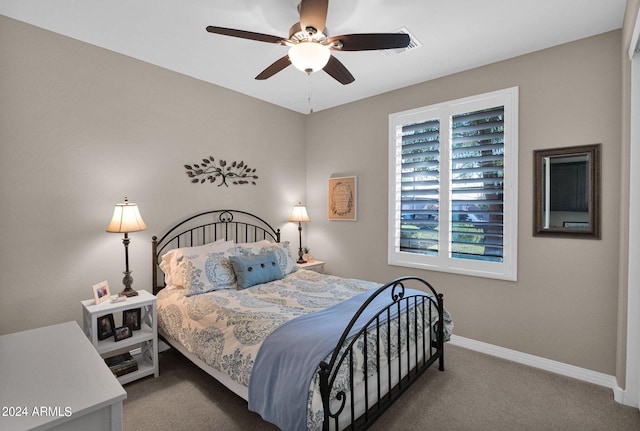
(289, 358)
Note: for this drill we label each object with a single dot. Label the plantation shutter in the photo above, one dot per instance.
(453, 186)
(477, 185)
(420, 187)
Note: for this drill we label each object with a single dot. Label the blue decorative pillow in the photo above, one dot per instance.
(255, 269)
(285, 260)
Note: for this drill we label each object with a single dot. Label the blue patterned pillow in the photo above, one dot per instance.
(255, 269)
(207, 272)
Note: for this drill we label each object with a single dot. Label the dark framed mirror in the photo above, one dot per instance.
(567, 192)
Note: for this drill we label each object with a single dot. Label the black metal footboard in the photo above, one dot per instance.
(367, 372)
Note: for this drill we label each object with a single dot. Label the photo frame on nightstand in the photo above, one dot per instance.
(101, 291)
(121, 333)
(131, 318)
(105, 326)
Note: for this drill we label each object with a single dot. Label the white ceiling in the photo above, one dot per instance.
(455, 35)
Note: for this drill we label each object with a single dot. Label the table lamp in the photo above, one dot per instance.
(126, 218)
(299, 214)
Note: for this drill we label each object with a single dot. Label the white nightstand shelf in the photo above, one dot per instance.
(143, 344)
(314, 265)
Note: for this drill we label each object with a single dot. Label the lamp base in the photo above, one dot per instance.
(300, 255)
(127, 281)
(129, 292)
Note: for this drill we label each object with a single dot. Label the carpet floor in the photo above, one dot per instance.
(476, 392)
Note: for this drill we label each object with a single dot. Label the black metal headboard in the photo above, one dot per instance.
(207, 227)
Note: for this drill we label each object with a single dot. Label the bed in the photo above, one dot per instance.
(306, 350)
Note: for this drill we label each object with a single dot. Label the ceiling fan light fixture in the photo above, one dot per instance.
(309, 56)
(310, 47)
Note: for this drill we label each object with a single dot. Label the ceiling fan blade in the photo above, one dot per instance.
(276, 67)
(244, 34)
(337, 70)
(313, 13)
(371, 41)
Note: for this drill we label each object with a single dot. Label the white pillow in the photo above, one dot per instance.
(254, 245)
(169, 263)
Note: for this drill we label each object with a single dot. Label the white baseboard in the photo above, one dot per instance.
(542, 363)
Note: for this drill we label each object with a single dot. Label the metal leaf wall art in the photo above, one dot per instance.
(237, 173)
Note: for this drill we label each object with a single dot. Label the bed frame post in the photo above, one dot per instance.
(154, 263)
(441, 331)
(324, 392)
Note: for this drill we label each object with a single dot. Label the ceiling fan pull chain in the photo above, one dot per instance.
(309, 96)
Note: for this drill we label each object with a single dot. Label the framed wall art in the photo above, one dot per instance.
(342, 203)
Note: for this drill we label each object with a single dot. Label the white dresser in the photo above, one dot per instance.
(53, 378)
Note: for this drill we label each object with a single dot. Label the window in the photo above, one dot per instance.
(453, 186)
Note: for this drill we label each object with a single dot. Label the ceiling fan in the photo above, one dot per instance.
(310, 46)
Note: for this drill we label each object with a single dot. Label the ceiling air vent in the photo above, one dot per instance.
(413, 44)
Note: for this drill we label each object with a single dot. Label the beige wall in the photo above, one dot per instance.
(564, 304)
(631, 13)
(82, 127)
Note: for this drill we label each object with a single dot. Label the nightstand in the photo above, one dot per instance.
(143, 344)
(314, 265)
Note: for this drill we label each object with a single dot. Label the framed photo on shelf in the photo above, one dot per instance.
(121, 333)
(131, 318)
(105, 326)
(342, 203)
(101, 291)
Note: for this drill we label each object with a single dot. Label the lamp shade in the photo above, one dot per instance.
(309, 56)
(126, 218)
(299, 213)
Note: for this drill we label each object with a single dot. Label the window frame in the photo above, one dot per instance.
(444, 111)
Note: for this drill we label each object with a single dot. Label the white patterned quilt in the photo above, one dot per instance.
(225, 328)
